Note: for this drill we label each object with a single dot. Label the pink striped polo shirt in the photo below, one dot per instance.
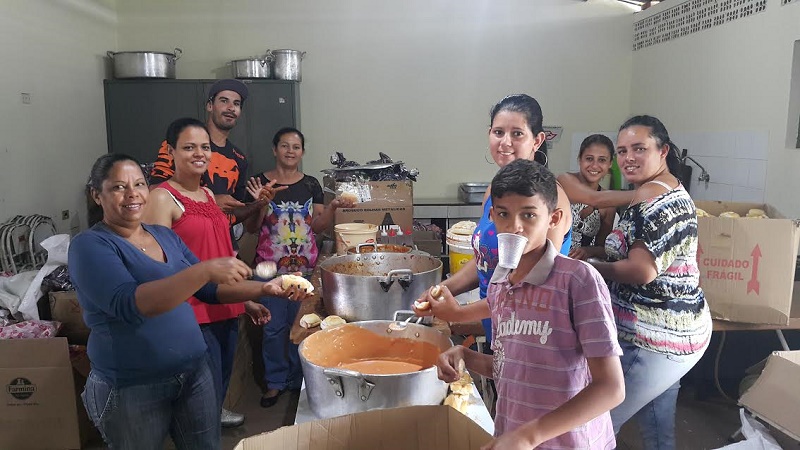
(540, 351)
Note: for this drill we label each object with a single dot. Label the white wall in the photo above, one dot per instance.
(53, 50)
(416, 78)
(726, 89)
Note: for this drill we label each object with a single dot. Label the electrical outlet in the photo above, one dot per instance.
(26, 98)
(65, 214)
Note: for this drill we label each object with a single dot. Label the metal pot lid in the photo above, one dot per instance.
(142, 52)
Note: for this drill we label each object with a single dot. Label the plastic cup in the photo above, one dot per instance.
(510, 248)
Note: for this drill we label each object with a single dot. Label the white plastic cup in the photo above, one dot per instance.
(510, 247)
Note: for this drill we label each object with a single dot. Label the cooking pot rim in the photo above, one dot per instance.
(387, 322)
(143, 51)
(355, 257)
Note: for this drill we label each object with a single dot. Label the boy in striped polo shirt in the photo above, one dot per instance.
(556, 357)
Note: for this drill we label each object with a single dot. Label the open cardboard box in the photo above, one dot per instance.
(775, 396)
(747, 265)
(39, 408)
(410, 428)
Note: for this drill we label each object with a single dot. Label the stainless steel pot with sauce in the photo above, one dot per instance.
(372, 286)
(369, 365)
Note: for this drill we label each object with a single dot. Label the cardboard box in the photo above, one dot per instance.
(64, 307)
(38, 408)
(427, 242)
(391, 203)
(747, 265)
(775, 396)
(409, 428)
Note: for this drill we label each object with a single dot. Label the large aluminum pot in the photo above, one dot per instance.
(144, 64)
(372, 286)
(252, 68)
(335, 392)
(287, 64)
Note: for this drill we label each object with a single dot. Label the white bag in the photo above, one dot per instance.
(57, 248)
(756, 435)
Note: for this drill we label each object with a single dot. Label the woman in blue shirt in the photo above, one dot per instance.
(150, 375)
(515, 131)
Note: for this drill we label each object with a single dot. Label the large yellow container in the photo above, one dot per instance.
(459, 255)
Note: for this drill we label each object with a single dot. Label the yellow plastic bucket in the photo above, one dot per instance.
(459, 255)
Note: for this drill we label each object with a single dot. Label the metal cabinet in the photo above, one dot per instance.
(139, 111)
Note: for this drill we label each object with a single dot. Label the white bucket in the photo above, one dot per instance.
(349, 235)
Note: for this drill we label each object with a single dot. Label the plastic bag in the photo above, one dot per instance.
(57, 280)
(756, 435)
(57, 248)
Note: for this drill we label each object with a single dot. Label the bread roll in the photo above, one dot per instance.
(458, 402)
(756, 213)
(349, 197)
(332, 322)
(422, 306)
(465, 227)
(310, 320)
(702, 213)
(266, 270)
(290, 281)
(730, 214)
(436, 291)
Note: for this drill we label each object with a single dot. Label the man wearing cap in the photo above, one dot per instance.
(225, 177)
(227, 171)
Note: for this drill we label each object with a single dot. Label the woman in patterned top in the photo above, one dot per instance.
(591, 225)
(287, 227)
(663, 320)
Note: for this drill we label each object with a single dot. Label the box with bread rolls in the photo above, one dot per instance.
(747, 253)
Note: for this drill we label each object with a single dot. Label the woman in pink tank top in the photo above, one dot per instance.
(190, 210)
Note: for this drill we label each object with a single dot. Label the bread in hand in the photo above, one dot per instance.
(349, 197)
(296, 281)
(422, 306)
(266, 269)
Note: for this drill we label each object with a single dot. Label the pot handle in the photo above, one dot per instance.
(111, 54)
(178, 53)
(268, 56)
(302, 55)
(404, 278)
(367, 244)
(335, 376)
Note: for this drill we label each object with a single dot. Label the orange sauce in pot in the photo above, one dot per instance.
(355, 348)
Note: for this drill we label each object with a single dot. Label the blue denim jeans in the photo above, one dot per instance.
(140, 417)
(221, 340)
(281, 361)
(652, 381)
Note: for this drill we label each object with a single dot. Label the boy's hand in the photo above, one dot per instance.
(443, 306)
(519, 439)
(448, 363)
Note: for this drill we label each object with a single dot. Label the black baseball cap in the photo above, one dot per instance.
(228, 85)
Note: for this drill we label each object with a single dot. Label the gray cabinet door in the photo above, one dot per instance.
(139, 111)
(275, 107)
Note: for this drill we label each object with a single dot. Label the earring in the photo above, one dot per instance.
(539, 155)
(487, 156)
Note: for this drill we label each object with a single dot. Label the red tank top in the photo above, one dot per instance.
(204, 228)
